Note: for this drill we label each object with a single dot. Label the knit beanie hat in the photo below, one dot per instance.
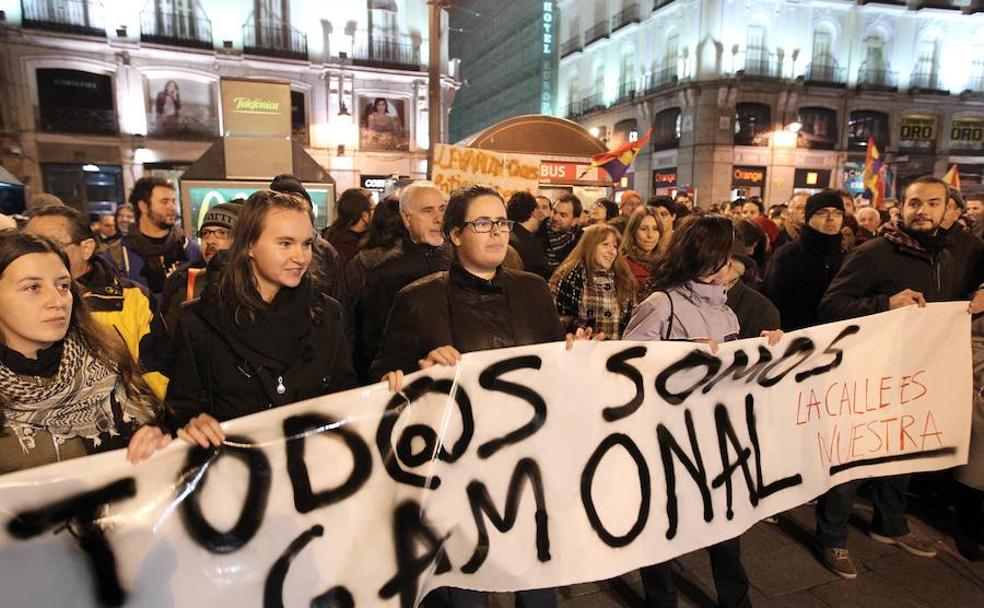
(223, 215)
(289, 184)
(823, 199)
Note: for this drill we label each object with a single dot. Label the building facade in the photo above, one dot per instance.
(772, 96)
(94, 95)
(508, 61)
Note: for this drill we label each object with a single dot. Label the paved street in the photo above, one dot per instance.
(784, 572)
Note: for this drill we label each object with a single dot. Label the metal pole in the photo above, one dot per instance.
(434, 130)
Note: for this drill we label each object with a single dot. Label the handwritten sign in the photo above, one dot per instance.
(520, 468)
(456, 166)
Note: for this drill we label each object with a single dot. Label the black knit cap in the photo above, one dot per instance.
(223, 215)
(823, 199)
(289, 184)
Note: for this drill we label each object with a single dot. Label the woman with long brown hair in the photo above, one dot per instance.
(640, 245)
(593, 287)
(68, 387)
(264, 334)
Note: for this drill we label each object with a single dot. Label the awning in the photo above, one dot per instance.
(6, 177)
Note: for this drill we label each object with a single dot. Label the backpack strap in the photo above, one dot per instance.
(669, 322)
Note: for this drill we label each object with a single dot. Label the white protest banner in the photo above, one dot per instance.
(551, 468)
(456, 166)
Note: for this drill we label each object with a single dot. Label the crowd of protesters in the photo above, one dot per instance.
(173, 335)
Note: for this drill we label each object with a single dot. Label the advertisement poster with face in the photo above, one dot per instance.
(383, 124)
(181, 108)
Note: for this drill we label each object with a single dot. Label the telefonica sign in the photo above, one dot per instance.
(256, 105)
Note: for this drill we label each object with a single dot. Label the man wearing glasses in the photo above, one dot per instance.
(187, 282)
(799, 272)
(114, 301)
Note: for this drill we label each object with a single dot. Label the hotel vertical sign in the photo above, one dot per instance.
(548, 57)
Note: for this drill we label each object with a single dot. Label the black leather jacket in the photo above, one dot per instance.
(469, 313)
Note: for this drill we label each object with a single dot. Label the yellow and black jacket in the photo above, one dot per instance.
(123, 306)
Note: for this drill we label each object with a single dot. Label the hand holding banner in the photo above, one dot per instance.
(520, 468)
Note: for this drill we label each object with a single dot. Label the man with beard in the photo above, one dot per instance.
(114, 301)
(798, 274)
(563, 231)
(188, 282)
(907, 264)
(157, 248)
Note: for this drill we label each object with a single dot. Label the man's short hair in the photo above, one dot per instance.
(957, 198)
(421, 185)
(757, 202)
(143, 189)
(661, 200)
(78, 223)
(571, 199)
(925, 179)
(521, 206)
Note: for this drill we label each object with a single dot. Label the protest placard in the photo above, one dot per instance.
(527, 467)
(456, 166)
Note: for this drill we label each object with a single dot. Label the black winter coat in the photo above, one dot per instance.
(879, 269)
(214, 373)
(380, 286)
(530, 248)
(755, 312)
(798, 274)
(968, 260)
(513, 309)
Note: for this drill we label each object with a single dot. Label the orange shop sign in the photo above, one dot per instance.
(748, 176)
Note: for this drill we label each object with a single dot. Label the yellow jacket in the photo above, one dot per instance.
(123, 306)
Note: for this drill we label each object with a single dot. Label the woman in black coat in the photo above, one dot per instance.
(263, 334)
(476, 305)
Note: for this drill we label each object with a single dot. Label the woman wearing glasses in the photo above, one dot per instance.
(476, 305)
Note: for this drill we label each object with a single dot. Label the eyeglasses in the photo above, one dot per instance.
(222, 233)
(830, 213)
(484, 224)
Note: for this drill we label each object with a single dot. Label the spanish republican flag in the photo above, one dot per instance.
(952, 178)
(875, 178)
(616, 162)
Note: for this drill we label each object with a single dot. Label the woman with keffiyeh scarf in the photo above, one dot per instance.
(67, 387)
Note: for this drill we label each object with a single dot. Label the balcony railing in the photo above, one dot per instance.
(395, 53)
(184, 126)
(274, 39)
(596, 33)
(926, 81)
(76, 120)
(826, 74)
(571, 46)
(887, 80)
(85, 17)
(629, 14)
(176, 29)
(573, 109)
(626, 91)
(591, 103)
(759, 64)
(662, 77)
